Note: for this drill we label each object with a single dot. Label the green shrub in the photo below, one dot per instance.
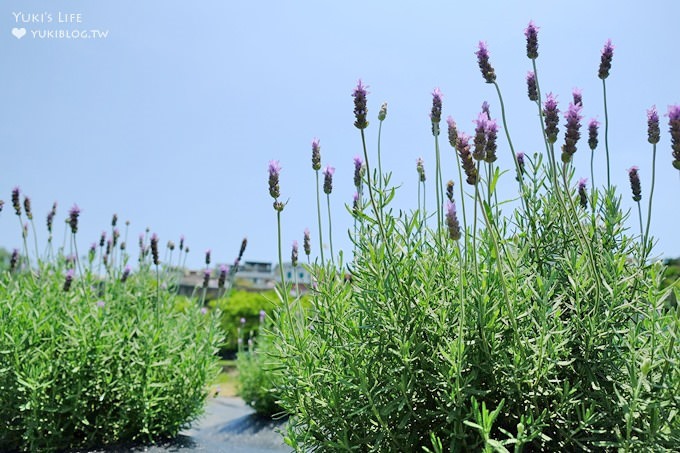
(542, 330)
(87, 361)
(240, 314)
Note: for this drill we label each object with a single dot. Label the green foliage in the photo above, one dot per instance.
(542, 330)
(242, 305)
(103, 362)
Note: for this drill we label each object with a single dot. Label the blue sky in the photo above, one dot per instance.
(171, 119)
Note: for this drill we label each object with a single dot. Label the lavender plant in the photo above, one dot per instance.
(540, 330)
(90, 359)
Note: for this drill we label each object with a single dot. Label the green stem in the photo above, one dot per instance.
(380, 173)
(606, 130)
(330, 230)
(378, 216)
(284, 291)
(318, 213)
(438, 182)
(642, 232)
(507, 133)
(647, 249)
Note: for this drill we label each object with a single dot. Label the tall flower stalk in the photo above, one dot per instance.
(328, 189)
(603, 73)
(653, 136)
(435, 118)
(316, 166)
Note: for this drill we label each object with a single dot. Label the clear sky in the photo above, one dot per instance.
(171, 118)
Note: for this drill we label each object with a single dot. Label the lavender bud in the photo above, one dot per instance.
(244, 244)
(592, 133)
(116, 236)
(572, 134)
(453, 133)
(491, 135)
(382, 114)
(358, 171)
(73, 214)
(674, 128)
(483, 60)
(328, 179)
(102, 239)
(294, 254)
(15, 201)
(181, 242)
(243, 321)
(68, 280)
(463, 147)
(420, 168)
(480, 136)
(122, 245)
(316, 154)
(531, 33)
(606, 60)
(552, 119)
(14, 259)
(109, 246)
(274, 171)
(27, 208)
(583, 196)
(126, 274)
(222, 278)
(206, 278)
(93, 251)
(207, 257)
(532, 88)
(114, 220)
(436, 113)
(360, 109)
(24, 230)
(154, 249)
(520, 162)
(653, 131)
(634, 178)
(263, 314)
(355, 203)
(449, 190)
(171, 245)
(306, 242)
(452, 221)
(2, 203)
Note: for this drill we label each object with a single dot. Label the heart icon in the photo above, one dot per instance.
(18, 32)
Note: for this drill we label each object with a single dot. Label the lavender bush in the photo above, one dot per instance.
(539, 329)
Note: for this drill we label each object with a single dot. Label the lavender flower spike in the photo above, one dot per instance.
(436, 113)
(634, 178)
(358, 171)
(572, 134)
(583, 196)
(274, 171)
(532, 88)
(531, 33)
(222, 278)
(73, 214)
(27, 208)
(68, 280)
(592, 133)
(491, 136)
(606, 60)
(674, 128)
(520, 162)
(453, 132)
(15, 201)
(420, 168)
(483, 60)
(316, 154)
(294, 254)
(449, 190)
(154, 249)
(360, 108)
(463, 147)
(452, 221)
(653, 131)
(552, 119)
(480, 136)
(207, 257)
(328, 179)
(307, 242)
(577, 95)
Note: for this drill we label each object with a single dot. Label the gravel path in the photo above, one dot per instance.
(228, 426)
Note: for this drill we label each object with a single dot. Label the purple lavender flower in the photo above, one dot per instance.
(243, 321)
(263, 314)
(480, 136)
(14, 259)
(154, 249)
(307, 242)
(328, 179)
(242, 250)
(27, 208)
(73, 214)
(532, 88)
(592, 133)
(294, 254)
(572, 134)
(483, 60)
(577, 95)
(93, 251)
(204, 310)
(653, 131)
(358, 171)
(68, 280)
(453, 132)
(116, 236)
(126, 274)
(583, 196)
(436, 113)
(463, 147)
(382, 114)
(420, 168)
(122, 245)
(449, 190)
(16, 201)
(101, 304)
(222, 278)
(491, 136)
(485, 109)
(520, 162)
(360, 109)
(634, 178)
(606, 60)
(674, 128)
(552, 119)
(207, 257)
(181, 242)
(316, 154)
(274, 171)
(2, 203)
(114, 219)
(452, 221)
(206, 277)
(531, 33)
(355, 203)
(171, 245)
(109, 246)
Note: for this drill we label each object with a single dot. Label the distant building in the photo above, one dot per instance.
(258, 274)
